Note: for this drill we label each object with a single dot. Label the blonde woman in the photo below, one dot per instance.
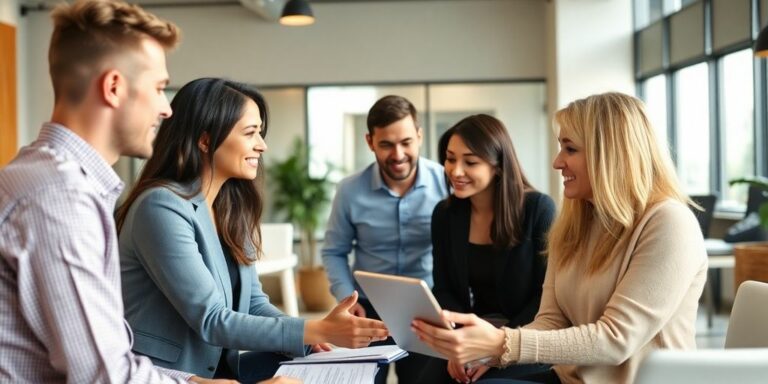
(626, 264)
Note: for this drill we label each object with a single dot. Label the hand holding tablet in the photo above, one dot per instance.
(418, 324)
(399, 300)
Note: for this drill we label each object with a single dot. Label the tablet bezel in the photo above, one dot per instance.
(398, 300)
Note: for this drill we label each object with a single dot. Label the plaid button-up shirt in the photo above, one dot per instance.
(61, 310)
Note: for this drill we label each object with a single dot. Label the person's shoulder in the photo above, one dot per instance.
(431, 166)
(39, 169)
(357, 180)
(670, 208)
(162, 195)
(443, 206)
(671, 215)
(451, 206)
(539, 201)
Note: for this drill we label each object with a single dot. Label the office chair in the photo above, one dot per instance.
(707, 202)
(748, 326)
(749, 229)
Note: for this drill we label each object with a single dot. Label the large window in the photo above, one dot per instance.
(697, 74)
(737, 125)
(692, 121)
(655, 95)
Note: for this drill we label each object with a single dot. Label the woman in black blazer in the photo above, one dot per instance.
(488, 238)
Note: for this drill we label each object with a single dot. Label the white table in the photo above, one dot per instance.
(284, 266)
(720, 257)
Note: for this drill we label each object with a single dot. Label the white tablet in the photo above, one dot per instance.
(399, 300)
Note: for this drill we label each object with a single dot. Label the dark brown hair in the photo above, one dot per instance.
(87, 32)
(209, 107)
(388, 110)
(487, 138)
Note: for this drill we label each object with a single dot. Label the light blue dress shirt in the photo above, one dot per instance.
(389, 233)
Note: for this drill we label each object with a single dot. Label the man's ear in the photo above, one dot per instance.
(112, 86)
(419, 134)
(369, 140)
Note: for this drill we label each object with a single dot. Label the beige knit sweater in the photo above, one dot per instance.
(598, 328)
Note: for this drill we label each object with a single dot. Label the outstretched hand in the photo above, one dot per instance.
(344, 329)
(357, 310)
(347, 330)
(477, 338)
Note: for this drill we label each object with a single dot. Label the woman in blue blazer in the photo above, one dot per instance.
(488, 238)
(188, 235)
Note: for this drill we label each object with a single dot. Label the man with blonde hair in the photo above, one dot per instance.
(62, 312)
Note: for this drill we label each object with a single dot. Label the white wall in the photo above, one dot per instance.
(35, 89)
(594, 48)
(9, 10)
(364, 42)
(589, 46)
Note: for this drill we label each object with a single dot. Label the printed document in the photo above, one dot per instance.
(345, 373)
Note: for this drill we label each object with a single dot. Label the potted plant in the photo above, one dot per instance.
(752, 258)
(302, 199)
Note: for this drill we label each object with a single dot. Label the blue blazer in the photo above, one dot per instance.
(177, 291)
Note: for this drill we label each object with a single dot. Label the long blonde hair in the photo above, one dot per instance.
(628, 171)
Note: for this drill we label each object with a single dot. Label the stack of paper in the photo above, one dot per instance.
(382, 354)
(341, 365)
(342, 373)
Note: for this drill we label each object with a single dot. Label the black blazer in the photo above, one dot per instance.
(520, 274)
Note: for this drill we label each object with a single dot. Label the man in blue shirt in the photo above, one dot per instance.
(384, 213)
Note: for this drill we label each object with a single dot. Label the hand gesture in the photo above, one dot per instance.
(322, 347)
(477, 338)
(342, 328)
(357, 310)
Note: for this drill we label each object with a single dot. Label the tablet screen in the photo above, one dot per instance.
(398, 300)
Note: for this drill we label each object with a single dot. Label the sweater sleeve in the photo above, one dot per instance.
(667, 262)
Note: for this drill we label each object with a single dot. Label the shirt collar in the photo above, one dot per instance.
(78, 149)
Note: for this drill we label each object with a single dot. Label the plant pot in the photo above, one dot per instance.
(751, 262)
(315, 289)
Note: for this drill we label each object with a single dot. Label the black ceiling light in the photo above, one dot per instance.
(297, 13)
(761, 44)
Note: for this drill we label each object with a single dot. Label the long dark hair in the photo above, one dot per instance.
(487, 138)
(212, 107)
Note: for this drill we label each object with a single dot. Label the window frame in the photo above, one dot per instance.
(713, 58)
